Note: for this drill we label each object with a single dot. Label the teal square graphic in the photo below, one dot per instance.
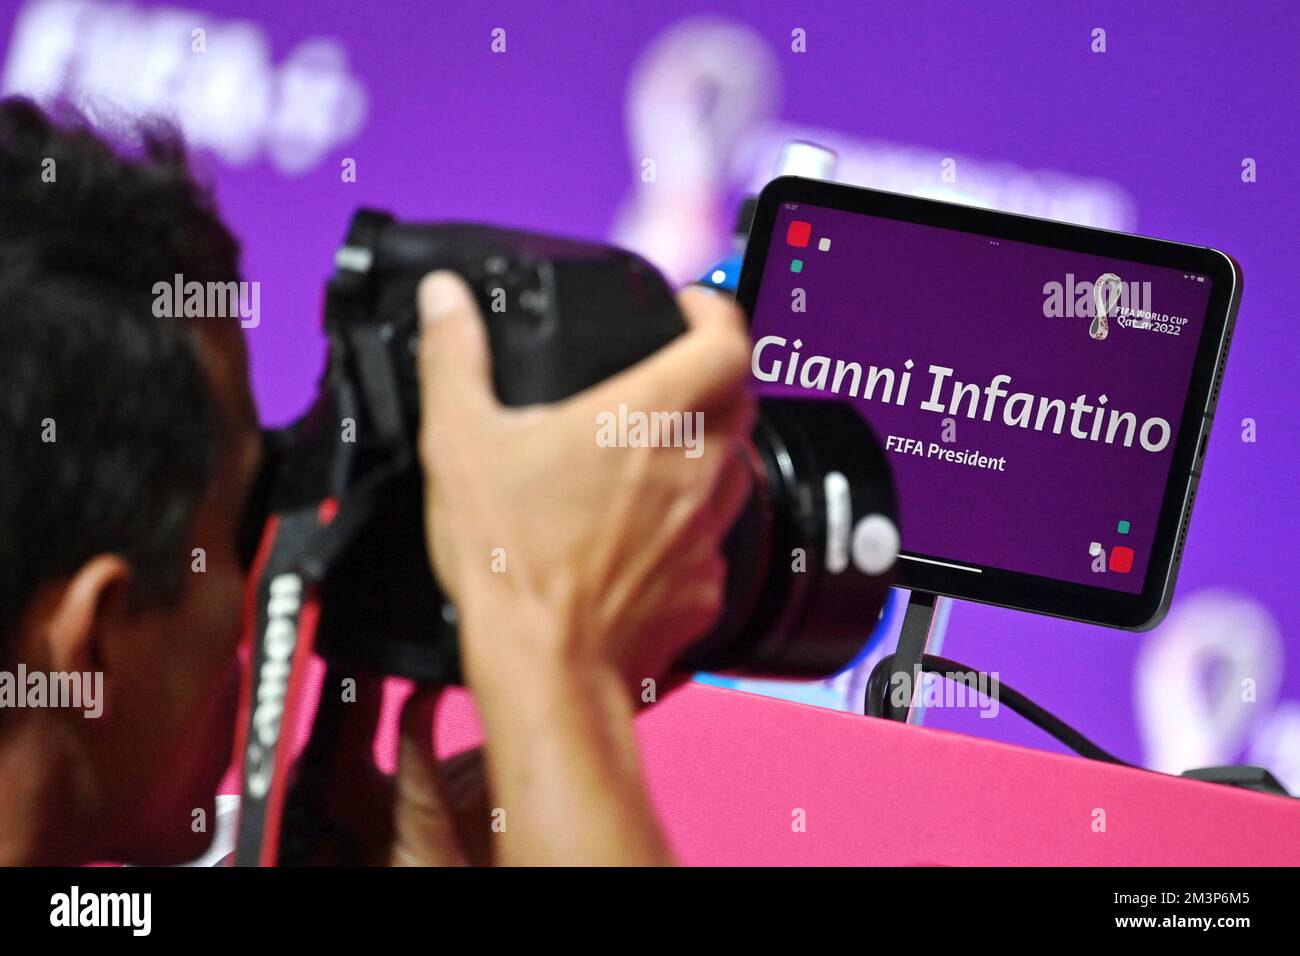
(796, 265)
(1122, 527)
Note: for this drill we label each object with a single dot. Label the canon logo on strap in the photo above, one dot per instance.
(272, 681)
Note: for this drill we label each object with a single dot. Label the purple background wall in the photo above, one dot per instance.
(537, 137)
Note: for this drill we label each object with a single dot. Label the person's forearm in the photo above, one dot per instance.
(563, 764)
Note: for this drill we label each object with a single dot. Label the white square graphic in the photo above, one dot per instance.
(824, 244)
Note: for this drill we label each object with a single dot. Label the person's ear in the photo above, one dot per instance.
(91, 605)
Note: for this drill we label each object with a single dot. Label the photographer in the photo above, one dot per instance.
(128, 444)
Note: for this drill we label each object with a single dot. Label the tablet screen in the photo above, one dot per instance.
(1027, 434)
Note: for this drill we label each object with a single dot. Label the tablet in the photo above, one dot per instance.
(1044, 392)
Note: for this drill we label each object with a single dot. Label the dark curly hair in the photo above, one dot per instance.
(85, 233)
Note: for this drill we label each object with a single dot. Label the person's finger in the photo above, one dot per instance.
(464, 776)
(734, 420)
(455, 363)
(732, 489)
(697, 371)
(424, 826)
(700, 304)
(465, 782)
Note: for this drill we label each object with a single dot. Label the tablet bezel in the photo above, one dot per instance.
(1027, 592)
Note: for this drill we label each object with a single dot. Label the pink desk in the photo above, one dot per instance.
(728, 770)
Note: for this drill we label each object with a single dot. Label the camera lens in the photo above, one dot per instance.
(810, 559)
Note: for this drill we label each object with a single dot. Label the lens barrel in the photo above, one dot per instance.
(799, 601)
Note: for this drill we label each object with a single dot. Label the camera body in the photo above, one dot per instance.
(561, 316)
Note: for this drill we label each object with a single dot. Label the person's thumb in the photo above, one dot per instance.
(424, 828)
(455, 364)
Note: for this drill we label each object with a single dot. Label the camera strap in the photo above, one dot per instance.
(281, 618)
(279, 631)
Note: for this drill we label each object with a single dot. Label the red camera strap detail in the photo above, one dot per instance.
(248, 631)
(281, 615)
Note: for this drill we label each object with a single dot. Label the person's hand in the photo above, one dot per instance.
(438, 814)
(578, 571)
(440, 808)
(604, 557)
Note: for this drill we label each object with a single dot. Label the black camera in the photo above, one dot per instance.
(809, 560)
(334, 534)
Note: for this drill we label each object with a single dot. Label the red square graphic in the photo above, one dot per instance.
(798, 234)
(1121, 559)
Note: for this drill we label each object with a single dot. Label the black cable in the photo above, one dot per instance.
(877, 702)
